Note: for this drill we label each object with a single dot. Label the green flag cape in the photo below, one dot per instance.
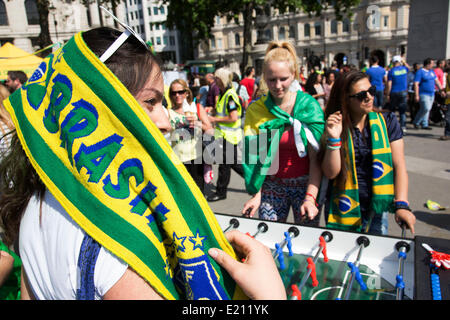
(345, 211)
(265, 122)
(113, 171)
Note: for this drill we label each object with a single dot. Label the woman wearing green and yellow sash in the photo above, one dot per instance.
(282, 133)
(362, 155)
(99, 203)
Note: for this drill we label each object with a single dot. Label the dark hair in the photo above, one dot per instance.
(18, 75)
(427, 61)
(131, 63)
(310, 82)
(374, 59)
(339, 101)
(249, 70)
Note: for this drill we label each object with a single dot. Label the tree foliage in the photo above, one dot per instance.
(196, 17)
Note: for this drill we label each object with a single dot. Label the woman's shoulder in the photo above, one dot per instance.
(394, 130)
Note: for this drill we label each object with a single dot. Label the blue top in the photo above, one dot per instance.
(376, 75)
(398, 76)
(426, 79)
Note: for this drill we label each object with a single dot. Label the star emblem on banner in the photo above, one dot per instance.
(197, 240)
(179, 242)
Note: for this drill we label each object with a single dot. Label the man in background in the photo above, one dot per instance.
(397, 89)
(15, 80)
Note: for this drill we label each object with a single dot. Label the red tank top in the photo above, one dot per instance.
(291, 165)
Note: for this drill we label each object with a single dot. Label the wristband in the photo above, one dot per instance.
(314, 198)
(401, 205)
(333, 147)
(334, 139)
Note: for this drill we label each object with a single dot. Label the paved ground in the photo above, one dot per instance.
(428, 164)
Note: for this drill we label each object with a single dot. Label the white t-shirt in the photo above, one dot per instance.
(49, 250)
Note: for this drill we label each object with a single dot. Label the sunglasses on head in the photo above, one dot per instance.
(362, 95)
(174, 93)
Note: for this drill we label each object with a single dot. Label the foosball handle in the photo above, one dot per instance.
(280, 256)
(296, 292)
(435, 285)
(358, 276)
(312, 266)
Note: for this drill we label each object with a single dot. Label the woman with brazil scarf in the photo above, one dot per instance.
(99, 203)
(362, 155)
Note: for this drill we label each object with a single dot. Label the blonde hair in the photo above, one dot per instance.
(189, 96)
(282, 51)
(225, 75)
(4, 115)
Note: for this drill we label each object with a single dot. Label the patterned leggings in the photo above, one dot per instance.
(279, 195)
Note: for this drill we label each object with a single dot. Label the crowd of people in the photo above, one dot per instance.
(328, 141)
(397, 89)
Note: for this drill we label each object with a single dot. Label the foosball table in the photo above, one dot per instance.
(325, 264)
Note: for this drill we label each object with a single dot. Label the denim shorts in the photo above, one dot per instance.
(379, 225)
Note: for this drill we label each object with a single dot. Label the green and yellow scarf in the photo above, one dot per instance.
(113, 171)
(344, 207)
(265, 123)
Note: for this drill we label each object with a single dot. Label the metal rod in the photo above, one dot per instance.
(262, 228)
(293, 232)
(363, 242)
(402, 248)
(316, 257)
(234, 223)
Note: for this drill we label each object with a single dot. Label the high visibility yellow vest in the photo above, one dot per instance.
(230, 131)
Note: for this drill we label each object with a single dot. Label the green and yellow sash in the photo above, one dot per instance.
(113, 171)
(265, 123)
(344, 207)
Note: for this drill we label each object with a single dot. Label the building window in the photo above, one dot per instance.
(32, 12)
(165, 40)
(3, 15)
(237, 40)
(149, 11)
(291, 32)
(213, 42)
(155, 11)
(158, 40)
(219, 43)
(333, 27)
(282, 33)
(317, 28)
(217, 20)
(161, 10)
(346, 25)
(307, 31)
(172, 40)
(385, 21)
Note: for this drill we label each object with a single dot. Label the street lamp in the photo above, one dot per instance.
(52, 9)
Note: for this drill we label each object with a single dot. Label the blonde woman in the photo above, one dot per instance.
(289, 124)
(188, 121)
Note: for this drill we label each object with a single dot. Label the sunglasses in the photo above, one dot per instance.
(174, 93)
(362, 95)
